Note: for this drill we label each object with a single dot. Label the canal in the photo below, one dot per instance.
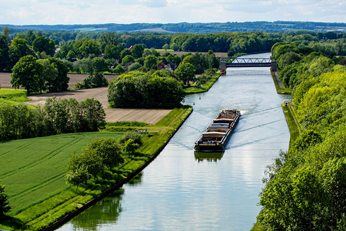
(181, 192)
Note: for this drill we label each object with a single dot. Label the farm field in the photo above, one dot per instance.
(5, 78)
(34, 169)
(180, 53)
(150, 116)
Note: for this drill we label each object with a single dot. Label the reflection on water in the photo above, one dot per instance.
(176, 192)
(137, 180)
(104, 212)
(208, 156)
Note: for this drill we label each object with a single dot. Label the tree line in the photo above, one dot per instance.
(306, 186)
(55, 117)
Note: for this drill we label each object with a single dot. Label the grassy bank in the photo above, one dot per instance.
(279, 90)
(17, 95)
(35, 171)
(203, 88)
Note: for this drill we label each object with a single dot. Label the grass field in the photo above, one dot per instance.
(35, 168)
(205, 87)
(163, 50)
(34, 171)
(17, 95)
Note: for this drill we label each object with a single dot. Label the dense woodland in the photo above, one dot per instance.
(306, 186)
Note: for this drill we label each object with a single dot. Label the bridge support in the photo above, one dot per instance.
(223, 67)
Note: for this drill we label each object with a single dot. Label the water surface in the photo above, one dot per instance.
(178, 191)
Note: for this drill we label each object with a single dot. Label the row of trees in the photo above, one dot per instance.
(55, 117)
(100, 155)
(306, 187)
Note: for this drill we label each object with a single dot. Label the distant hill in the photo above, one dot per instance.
(198, 28)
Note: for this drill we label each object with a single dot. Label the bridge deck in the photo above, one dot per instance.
(250, 62)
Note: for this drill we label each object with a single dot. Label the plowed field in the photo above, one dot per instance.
(150, 116)
(5, 79)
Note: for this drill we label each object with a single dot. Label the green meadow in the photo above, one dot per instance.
(34, 170)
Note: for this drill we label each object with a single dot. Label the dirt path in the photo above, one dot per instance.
(279, 81)
(150, 116)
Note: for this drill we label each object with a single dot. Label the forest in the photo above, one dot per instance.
(306, 186)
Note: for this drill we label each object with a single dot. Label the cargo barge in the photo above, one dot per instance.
(219, 131)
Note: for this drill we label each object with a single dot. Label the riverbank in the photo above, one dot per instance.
(292, 121)
(279, 86)
(72, 199)
(204, 87)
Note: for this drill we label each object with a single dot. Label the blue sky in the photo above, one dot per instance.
(25, 12)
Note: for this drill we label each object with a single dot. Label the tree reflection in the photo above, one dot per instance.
(137, 180)
(103, 212)
(208, 156)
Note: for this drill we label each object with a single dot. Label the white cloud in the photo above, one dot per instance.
(165, 11)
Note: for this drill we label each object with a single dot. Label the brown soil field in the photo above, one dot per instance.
(5, 79)
(150, 116)
(180, 53)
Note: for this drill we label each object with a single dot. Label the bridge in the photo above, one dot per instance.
(249, 62)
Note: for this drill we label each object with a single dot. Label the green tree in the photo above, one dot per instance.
(109, 150)
(174, 46)
(26, 74)
(89, 48)
(137, 51)
(185, 73)
(60, 83)
(108, 38)
(77, 175)
(130, 147)
(166, 46)
(99, 64)
(111, 52)
(30, 37)
(125, 52)
(4, 53)
(333, 178)
(18, 49)
(307, 197)
(119, 70)
(6, 33)
(150, 62)
(41, 44)
(93, 113)
(127, 59)
(4, 206)
(48, 73)
(134, 66)
(71, 55)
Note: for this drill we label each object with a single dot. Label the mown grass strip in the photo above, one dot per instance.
(293, 124)
(205, 87)
(285, 91)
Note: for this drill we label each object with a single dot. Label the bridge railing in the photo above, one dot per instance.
(252, 60)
